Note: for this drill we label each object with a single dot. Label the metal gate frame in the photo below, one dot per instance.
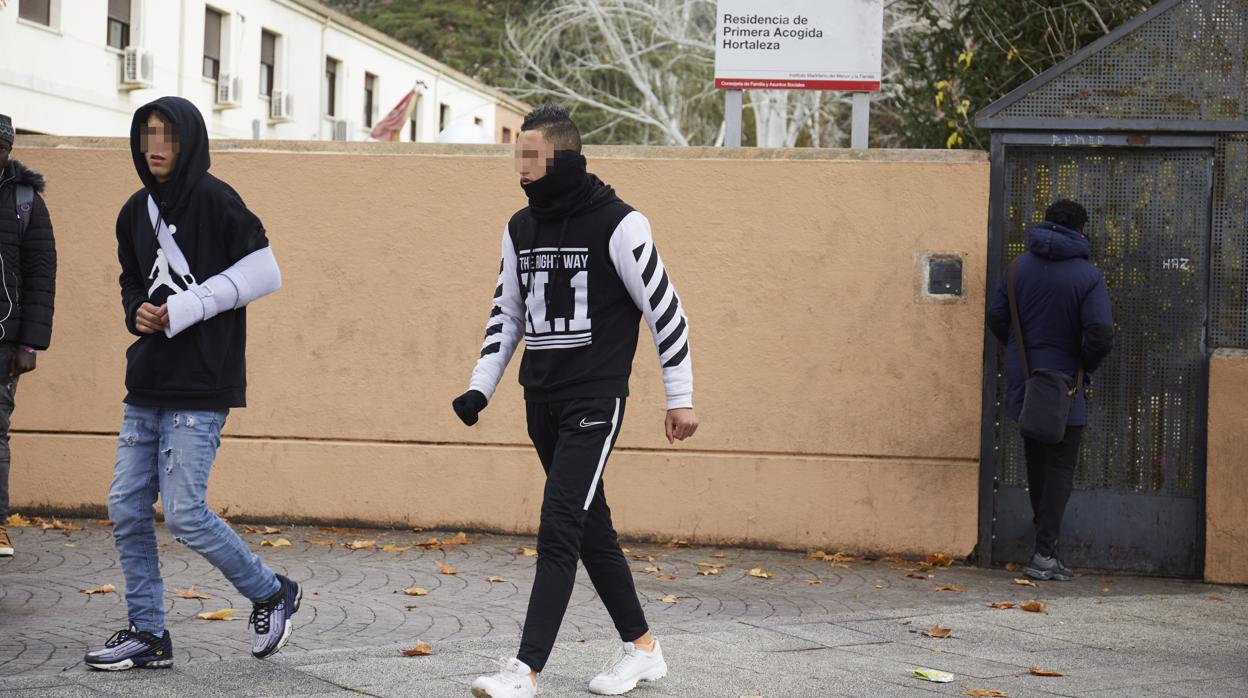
(1001, 142)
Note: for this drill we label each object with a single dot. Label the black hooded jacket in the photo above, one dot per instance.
(203, 367)
(28, 287)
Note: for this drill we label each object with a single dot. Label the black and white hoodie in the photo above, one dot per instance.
(579, 270)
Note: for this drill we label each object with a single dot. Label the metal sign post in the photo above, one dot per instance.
(732, 118)
(861, 119)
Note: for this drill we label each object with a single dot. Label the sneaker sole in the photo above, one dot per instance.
(125, 664)
(290, 628)
(6, 552)
(621, 691)
(1046, 576)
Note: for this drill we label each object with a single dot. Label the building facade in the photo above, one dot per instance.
(262, 69)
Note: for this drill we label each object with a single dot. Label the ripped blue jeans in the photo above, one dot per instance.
(169, 453)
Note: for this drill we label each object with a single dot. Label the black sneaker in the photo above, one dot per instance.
(131, 648)
(1048, 570)
(270, 619)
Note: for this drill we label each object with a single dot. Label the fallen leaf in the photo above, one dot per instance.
(833, 558)
(938, 632)
(625, 551)
(422, 649)
(708, 572)
(527, 552)
(102, 522)
(1104, 590)
(760, 573)
(223, 614)
(495, 578)
(360, 545)
(713, 565)
(262, 530)
(416, 591)
(330, 543)
(934, 675)
(939, 560)
(669, 598)
(430, 542)
(1012, 567)
(676, 544)
(279, 543)
(665, 577)
(916, 575)
(955, 589)
(644, 558)
(104, 589)
(444, 568)
(410, 606)
(1002, 605)
(395, 548)
(190, 593)
(718, 555)
(460, 538)
(1024, 582)
(1034, 607)
(1037, 671)
(984, 693)
(652, 569)
(71, 545)
(813, 582)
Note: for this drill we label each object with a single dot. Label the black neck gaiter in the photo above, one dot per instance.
(564, 188)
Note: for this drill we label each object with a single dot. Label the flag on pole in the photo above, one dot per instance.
(389, 128)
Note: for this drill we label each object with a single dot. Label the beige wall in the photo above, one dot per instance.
(1226, 504)
(839, 410)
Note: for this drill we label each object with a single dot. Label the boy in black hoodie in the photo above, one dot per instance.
(192, 257)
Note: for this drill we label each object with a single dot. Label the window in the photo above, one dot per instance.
(119, 23)
(506, 135)
(444, 117)
(268, 53)
(212, 44)
(412, 128)
(370, 95)
(478, 121)
(331, 86)
(35, 11)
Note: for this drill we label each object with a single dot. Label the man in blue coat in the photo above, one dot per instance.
(1063, 307)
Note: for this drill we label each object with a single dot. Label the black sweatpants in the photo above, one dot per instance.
(1050, 478)
(573, 440)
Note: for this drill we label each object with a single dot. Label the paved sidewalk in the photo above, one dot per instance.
(857, 633)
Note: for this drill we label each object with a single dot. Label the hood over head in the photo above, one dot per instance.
(1052, 241)
(193, 160)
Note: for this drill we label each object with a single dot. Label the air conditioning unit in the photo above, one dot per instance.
(138, 69)
(281, 106)
(229, 91)
(342, 130)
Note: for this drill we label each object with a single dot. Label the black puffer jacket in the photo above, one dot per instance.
(29, 264)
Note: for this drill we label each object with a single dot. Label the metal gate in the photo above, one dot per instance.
(1137, 502)
(1148, 128)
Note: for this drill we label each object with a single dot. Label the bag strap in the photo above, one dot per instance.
(173, 253)
(1014, 320)
(1018, 331)
(25, 203)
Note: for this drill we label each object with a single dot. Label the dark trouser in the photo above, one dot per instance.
(573, 441)
(1050, 478)
(8, 388)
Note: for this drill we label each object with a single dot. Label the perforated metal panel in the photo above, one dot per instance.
(1229, 283)
(1149, 231)
(1189, 63)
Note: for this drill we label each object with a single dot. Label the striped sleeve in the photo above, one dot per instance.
(641, 269)
(505, 326)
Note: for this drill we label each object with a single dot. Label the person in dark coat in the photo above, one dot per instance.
(1064, 311)
(27, 291)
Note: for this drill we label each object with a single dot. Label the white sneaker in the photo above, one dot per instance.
(512, 682)
(630, 666)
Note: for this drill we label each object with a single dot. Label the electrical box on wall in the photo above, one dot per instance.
(941, 277)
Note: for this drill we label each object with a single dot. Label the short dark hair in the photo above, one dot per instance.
(556, 125)
(1067, 214)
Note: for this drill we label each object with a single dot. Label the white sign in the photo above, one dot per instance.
(799, 44)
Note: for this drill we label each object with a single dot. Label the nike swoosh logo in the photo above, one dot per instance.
(590, 424)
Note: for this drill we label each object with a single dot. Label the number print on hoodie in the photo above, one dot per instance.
(575, 289)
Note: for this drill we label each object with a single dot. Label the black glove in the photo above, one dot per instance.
(468, 405)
